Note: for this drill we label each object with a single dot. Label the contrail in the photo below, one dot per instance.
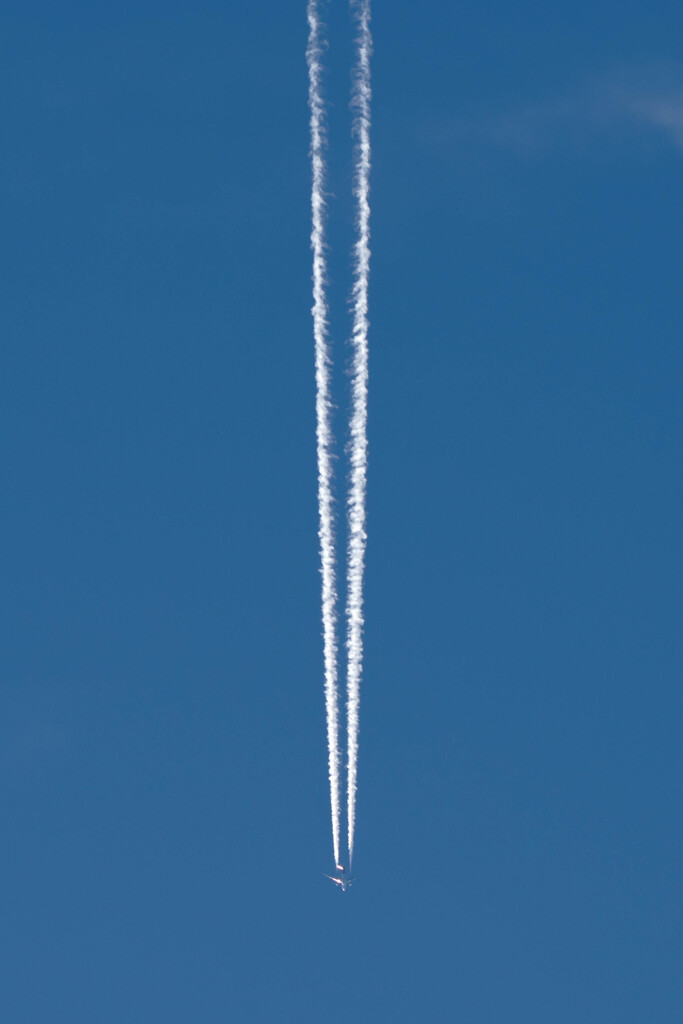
(323, 407)
(358, 444)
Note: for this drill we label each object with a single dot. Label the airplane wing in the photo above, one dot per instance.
(333, 879)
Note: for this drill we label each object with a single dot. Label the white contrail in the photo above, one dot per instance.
(323, 408)
(358, 444)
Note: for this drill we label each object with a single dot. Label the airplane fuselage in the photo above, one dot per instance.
(341, 879)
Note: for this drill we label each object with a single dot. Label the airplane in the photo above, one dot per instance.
(341, 879)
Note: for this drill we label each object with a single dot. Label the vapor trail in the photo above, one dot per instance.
(323, 407)
(358, 444)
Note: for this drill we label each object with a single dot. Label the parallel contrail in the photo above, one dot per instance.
(323, 407)
(358, 445)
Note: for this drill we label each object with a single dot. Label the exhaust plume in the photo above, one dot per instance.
(358, 444)
(326, 532)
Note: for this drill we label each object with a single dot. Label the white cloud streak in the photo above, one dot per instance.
(358, 445)
(326, 531)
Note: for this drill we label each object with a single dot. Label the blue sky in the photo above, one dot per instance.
(162, 748)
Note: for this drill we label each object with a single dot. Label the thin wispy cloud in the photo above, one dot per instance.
(624, 106)
(664, 113)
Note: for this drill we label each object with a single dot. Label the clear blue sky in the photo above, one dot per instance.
(162, 755)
